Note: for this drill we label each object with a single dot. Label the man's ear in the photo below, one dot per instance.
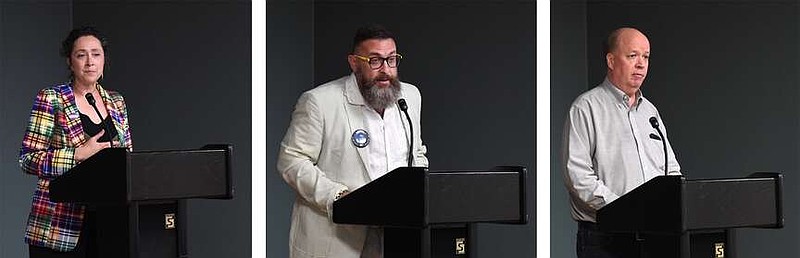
(353, 62)
(610, 61)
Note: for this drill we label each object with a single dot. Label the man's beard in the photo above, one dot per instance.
(377, 97)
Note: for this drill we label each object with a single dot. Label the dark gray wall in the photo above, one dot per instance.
(567, 81)
(184, 69)
(30, 35)
(290, 71)
(724, 76)
(473, 63)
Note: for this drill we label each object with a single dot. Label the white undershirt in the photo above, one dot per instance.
(388, 144)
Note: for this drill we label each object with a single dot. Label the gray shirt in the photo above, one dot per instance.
(607, 148)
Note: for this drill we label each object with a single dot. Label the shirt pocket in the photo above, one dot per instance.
(654, 152)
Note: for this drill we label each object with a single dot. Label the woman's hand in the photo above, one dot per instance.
(91, 147)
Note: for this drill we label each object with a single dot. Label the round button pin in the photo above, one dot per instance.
(360, 138)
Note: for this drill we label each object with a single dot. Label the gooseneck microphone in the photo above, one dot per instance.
(654, 123)
(404, 107)
(90, 99)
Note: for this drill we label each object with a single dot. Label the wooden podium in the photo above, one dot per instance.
(427, 214)
(139, 197)
(676, 217)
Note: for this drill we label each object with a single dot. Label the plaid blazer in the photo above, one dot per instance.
(48, 148)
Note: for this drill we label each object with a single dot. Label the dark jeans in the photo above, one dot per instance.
(594, 243)
(84, 249)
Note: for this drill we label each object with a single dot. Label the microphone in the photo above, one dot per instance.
(654, 124)
(404, 107)
(90, 99)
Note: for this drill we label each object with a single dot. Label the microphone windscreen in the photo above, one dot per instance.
(402, 104)
(90, 98)
(654, 122)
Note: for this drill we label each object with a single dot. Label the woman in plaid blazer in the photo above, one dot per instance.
(58, 137)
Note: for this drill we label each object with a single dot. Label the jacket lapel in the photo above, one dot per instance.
(75, 131)
(355, 115)
(113, 111)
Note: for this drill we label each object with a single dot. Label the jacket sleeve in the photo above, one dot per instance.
(39, 154)
(119, 103)
(580, 176)
(299, 153)
(419, 148)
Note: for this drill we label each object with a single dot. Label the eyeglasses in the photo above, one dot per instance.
(377, 62)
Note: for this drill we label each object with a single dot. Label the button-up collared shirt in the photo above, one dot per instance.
(388, 144)
(610, 148)
(386, 151)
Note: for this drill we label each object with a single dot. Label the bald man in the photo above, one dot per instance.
(608, 149)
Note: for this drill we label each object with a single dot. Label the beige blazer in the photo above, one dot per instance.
(318, 159)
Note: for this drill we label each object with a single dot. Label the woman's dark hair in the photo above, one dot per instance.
(69, 42)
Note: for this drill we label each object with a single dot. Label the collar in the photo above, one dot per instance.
(619, 96)
(351, 92)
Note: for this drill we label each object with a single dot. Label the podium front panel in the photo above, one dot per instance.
(395, 199)
(654, 207)
(102, 178)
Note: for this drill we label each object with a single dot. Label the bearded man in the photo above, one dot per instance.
(344, 134)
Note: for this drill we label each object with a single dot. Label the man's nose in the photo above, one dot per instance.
(384, 66)
(640, 62)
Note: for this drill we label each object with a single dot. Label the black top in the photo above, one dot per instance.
(91, 129)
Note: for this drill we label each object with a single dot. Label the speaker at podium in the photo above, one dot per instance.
(679, 218)
(139, 198)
